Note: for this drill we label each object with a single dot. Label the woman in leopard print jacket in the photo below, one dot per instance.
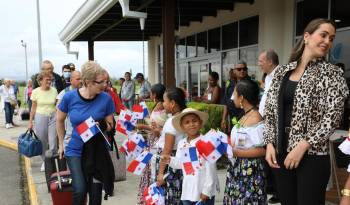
(304, 106)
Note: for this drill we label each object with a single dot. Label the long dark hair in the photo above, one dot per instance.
(158, 90)
(178, 95)
(250, 91)
(298, 49)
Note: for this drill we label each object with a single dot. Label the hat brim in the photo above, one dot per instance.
(177, 118)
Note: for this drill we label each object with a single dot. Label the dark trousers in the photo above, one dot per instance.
(305, 185)
(9, 110)
(80, 185)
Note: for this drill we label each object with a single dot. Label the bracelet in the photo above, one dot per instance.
(345, 192)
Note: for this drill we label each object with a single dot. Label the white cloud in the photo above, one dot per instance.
(18, 18)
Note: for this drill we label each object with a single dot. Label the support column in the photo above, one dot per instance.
(91, 50)
(168, 30)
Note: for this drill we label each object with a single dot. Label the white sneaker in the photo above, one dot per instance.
(10, 125)
(7, 126)
(42, 168)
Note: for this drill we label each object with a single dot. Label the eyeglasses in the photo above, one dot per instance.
(100, 82)
(241, 69)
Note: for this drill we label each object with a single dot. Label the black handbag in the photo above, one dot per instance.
(29, 145)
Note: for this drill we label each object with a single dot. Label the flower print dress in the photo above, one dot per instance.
(246, 179)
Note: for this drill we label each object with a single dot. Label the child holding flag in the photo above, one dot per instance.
(245, 183)
(200, 177)
(174, 103)
(158, 117)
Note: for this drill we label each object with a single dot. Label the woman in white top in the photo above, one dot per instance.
(245, 183)
(199, 183)
(7, 93)
(174, 103)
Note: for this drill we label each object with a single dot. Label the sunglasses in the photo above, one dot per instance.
(242, 69)
(100, 82)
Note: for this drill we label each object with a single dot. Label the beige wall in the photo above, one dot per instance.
(276, 19)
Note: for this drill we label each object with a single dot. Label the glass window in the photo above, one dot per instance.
(202, 47)
(194, 70)
(340, 13)
(249, 31)
(214, 40)
(250, 56)
(229, 60)
(306, 11)
(182, 75)
(191, 46)
(204, 74)
(230, 36)
(181, 48)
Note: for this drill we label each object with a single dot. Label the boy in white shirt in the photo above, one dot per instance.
(200, 184)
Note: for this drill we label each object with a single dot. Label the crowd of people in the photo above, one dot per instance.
(280, 141)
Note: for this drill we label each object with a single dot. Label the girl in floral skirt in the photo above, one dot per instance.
(245, 183)
(174, 103)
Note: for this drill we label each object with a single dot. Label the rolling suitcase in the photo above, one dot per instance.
(50, 167)
(61, 187)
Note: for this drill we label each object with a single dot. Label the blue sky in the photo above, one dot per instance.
(18, 21)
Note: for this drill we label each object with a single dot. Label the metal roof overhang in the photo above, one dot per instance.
(103, 20)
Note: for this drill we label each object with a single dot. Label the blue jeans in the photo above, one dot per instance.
(80, 185)
(9, 110)
(210, 201)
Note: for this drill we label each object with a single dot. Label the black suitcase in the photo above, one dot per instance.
(25, 115)
(50, 166)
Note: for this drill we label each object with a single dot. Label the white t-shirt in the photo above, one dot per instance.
(168, 128)
(203, 181)
(247, 137)
(268, 81)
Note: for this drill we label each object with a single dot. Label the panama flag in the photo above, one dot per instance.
(189, 159)
(154, 195)
(145, 109)
(87, 129)
(138, 165)
(210, 146)
(125, 115)
(121, 128)
(138, 111)
(136, 143)
(225, 139)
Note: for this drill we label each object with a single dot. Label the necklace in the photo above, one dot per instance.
(245, 116)
(249, 110)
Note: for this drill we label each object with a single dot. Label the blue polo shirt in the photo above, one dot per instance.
(79, 109)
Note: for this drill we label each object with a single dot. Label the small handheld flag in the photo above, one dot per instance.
(87, 129)
(138, 165)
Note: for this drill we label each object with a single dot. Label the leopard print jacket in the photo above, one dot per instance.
(317, 109)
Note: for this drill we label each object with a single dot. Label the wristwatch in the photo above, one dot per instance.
(345, 192)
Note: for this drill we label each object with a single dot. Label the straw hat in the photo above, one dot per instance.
(177, 118)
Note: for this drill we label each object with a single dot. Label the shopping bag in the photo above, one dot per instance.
(29, 145)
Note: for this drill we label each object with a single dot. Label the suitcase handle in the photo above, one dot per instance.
(58, 174)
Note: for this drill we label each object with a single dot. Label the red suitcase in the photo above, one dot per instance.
(61, 187)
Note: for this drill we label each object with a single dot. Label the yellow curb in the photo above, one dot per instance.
(33, 197)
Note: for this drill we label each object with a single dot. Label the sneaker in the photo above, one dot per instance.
(7, 126)
(10, 125)
(42, 168)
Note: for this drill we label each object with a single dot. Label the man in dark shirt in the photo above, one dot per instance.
(239, 72)
(57, 82)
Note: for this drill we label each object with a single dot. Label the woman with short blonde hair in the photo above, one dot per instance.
(79, 105)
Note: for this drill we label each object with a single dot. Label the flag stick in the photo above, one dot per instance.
(98, 127)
